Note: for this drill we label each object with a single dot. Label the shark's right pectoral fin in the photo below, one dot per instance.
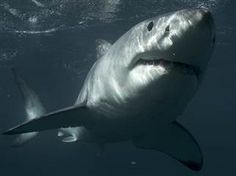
(69, 117)
(175, 141)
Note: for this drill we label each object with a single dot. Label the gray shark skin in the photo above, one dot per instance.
(139, 86)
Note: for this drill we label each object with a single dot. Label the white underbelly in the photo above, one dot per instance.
(161, 103)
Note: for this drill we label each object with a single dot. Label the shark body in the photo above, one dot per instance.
(139, 86)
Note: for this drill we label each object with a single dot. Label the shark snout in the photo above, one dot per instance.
(208, 21)
(206, 15)
(197, 14)
(204, 11)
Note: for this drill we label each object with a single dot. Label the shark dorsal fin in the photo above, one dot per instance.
(102, 46)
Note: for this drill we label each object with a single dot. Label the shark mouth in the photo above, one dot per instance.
(186, 68)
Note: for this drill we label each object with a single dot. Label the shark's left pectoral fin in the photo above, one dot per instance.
(175, 141)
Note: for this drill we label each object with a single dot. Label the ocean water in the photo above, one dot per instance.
(52, 44)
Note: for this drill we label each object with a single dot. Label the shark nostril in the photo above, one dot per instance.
(167, 30)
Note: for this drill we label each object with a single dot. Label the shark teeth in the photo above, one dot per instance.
(186, 68)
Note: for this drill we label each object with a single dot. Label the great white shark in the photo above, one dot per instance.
(137, 88)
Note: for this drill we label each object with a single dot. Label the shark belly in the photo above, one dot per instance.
(157, 105)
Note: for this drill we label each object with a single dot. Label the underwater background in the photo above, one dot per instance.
(52, 45)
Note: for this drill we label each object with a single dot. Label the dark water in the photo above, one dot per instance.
(52, 44)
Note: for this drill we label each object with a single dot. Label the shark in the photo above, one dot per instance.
(138, 87)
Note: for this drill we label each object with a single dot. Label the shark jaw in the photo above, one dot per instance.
(186, 68)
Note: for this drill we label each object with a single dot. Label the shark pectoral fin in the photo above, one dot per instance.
(33, 107)
(69, 117)
(102, 47)
(176, 142)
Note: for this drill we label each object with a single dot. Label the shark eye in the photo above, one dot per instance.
(150, 26)
(167, 29)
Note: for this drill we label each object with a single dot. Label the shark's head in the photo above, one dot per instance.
(162, 58)
(159, 59)
(183, 38)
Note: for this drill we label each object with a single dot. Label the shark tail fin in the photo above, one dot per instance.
(32, 105)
